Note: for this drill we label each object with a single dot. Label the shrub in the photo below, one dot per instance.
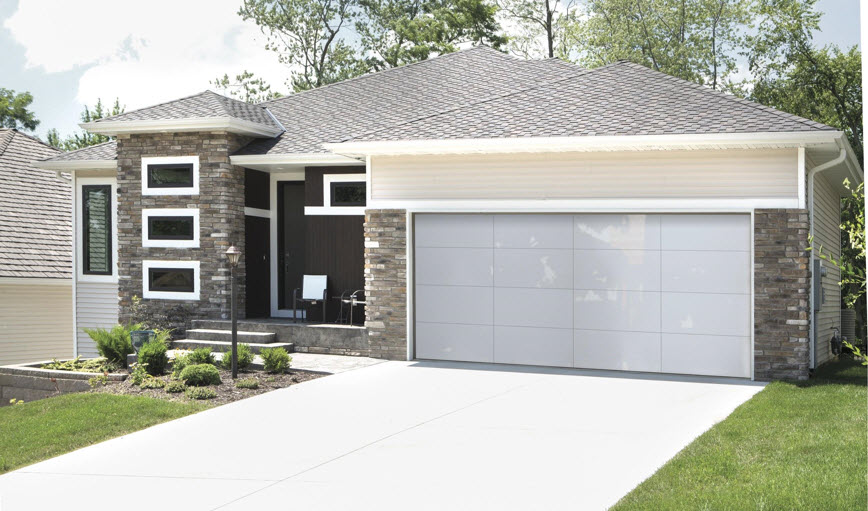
(275, 360)
(175, 386)
(202, 356)
(179, 363)
(200, 374)
(153, 356)
(201, 392)
(245, 358)
(152, 383)
(138, 374)
(247, 383)
(114, 344)
(93, 365)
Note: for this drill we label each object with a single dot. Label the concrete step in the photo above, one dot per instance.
(221, 346)
(213, 334)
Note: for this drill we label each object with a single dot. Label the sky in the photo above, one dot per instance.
(69, 53)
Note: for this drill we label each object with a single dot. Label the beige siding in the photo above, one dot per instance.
(35, 322)
(658, 174)
(827, 219)
(96, 306)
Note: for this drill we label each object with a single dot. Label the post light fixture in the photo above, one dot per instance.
(233, 255)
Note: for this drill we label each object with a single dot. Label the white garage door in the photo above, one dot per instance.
(655, 293)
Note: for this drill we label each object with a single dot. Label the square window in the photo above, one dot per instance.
(170, 227)
(170, 280)
(178, 280)
(170, 175)
(347, 193)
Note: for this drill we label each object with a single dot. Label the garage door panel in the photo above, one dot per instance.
(533, 307)
(706, 354)
(454, 266)
(460, 231)
(456, 305)
(705, 232)
(535, 268)
(535, 346)
(533, 231)
(706, 272)
(470, 343)
(635, 311)
(627, 270)
(711, 314)
(617, 232)
(614, 350)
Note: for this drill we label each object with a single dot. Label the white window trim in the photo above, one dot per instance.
(170, 295)
(147, 242)
(162, 160)
(79, 232)
(327, 208)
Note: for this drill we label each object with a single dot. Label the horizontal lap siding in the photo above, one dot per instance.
(96, 306)
(827, 232)
(659, 174)
(35, 322)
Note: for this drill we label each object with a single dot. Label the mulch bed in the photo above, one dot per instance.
(226, 391)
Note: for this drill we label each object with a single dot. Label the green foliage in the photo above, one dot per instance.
(15, 402)
(14, 111)
(85, 139)
(857, 353)
(138, 374)
(247, 383)
(153, 356)
(114, 344)
(175, 386)
(245, 358)
(98, 381)
(202, 356)
(246, 87)
(201, 392)
(275, 360)
(92, 365)
(179, 363)
(200, 375)
(541, 28)
(152, 383)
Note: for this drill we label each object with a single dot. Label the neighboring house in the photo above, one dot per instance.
(35, 254)
(493, 209)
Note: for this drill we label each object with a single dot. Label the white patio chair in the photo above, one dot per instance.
(314, 288)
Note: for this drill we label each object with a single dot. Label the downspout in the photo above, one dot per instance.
(813, 172)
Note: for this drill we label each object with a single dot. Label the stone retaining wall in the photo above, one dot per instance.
(28, 382)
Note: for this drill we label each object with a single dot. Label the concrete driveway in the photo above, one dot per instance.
(397, 435)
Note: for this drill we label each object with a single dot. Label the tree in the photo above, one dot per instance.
(14, 112)
(694, 40)
(307, 35)
(246, 88)
(85, 139)
(550, 22)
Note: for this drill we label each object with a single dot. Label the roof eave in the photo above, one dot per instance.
(231, 124)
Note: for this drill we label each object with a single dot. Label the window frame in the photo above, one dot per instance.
(327, 208)
(78, 254)
(148, 265)
(85, 238)
(148, 213)
(169, 161)
(332, 188)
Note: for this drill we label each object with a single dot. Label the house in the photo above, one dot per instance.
(493, 209)
(35, 253)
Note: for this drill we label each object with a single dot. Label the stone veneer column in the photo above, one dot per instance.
(221, 217)
(781, 285)
(386, 282)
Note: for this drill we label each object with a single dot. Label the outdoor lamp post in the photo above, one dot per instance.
(234, 255)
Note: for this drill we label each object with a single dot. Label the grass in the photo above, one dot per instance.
(792, 446)
(42, 429)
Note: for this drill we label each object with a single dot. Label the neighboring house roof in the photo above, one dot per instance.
(35, 211)
(105, 151)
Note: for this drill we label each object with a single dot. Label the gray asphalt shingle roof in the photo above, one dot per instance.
(105, 151)
(35, 211)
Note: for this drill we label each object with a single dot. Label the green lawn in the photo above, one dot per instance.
(43, 429)
(792, 446)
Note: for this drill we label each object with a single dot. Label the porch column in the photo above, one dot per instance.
(386, 282)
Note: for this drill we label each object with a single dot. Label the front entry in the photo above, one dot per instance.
(291, 237)
(258, 272)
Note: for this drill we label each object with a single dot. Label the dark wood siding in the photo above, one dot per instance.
(256, 187)
(313, 181)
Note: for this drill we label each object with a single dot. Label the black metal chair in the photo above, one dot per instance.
(348, 303)
(314, 288)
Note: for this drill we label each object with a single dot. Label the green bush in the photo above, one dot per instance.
(247, 383)
(114, 344)
(153, 356)
(245, 358)
(275, 360)
(175, 386)
(202, 356)
(138, 374)
(200, 374)
(179, 363)
(92, 365)
(152, 383)
(201, 392)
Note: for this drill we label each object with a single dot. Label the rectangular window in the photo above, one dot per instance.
(179, 280)
(170, 227)
(96, 229)
(347, 193)
(170, 175)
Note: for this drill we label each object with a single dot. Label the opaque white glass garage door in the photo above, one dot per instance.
(658, 293)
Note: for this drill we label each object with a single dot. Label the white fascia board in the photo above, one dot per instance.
(73, 165)
(292, 159)
(585, 144)
(230, 124)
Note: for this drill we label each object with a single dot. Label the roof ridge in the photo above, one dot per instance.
(6, 141)
(401, 67)
(8, 135)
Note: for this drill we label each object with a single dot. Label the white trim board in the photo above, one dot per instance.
(230, 124)
(587, 205)
(170, 295)
(163, 160)
(262, 213)
(178, 212)
(274, 178)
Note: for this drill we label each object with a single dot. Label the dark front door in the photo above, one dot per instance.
(290, 239)
(258, 290)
